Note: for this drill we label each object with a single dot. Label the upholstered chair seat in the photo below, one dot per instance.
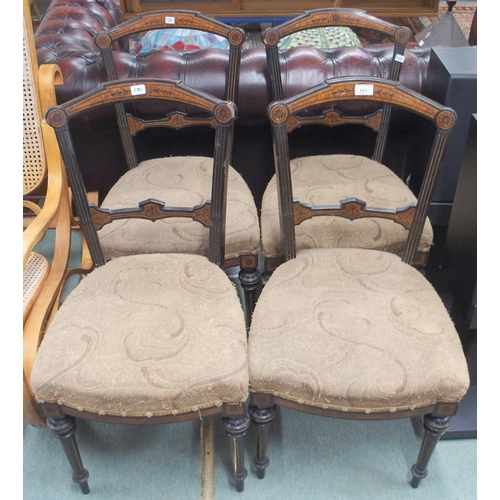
(179, 181)
(175, 344)
(329, 179)
(354, 331)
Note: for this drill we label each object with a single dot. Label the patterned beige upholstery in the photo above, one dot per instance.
(179, 181)
(354, 330)
(326, 180)
(175, 344)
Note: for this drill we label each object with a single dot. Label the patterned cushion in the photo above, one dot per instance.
(146, 335)
(180, 39)
(187, 182)
(354, 330)
(326, 180)
(330, 37)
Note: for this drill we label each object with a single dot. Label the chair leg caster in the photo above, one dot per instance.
(261, 467)
(240, 480)
(82, 480)
(418, 475)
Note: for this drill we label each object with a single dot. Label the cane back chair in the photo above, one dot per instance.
(351, 332)
(38, 95)
(45, 210)
(148, 338)
(128, 237)
(316, 178)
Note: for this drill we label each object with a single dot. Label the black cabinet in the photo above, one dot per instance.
(459, 259)
(459, 269)
(452, 81)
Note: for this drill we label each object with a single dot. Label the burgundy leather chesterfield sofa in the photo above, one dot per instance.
(65, 37)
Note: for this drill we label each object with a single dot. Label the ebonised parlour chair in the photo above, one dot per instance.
(128, 237)
(351, 332)
(325, 178)
(322, 18)
(152, 337)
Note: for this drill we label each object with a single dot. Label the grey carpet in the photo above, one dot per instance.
(310, 458)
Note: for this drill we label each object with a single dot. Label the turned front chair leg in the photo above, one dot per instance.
(249, 279)
(262, 417)
(236, 428)
(63, 429)
(434, 427)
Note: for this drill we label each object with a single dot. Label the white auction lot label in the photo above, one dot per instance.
(138, 89)
(363, 89)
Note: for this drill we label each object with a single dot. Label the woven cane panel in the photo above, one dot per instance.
(33, 153)
(35, 271)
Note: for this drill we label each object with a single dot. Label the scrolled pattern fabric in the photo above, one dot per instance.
(179, 182)
(354, 330)
(146, 335)
(327, 180)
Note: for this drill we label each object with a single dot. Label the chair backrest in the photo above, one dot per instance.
(41, 168)
(288, 114)
(169, 19)
(351, 18)
(217, 112)
(34, 164)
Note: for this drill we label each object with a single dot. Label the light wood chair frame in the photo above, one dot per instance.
(53, 215)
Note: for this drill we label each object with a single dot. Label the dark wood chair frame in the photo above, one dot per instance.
(285, 115)
(321, 18)
(60, 418)
(249, 274)
(351, 18)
